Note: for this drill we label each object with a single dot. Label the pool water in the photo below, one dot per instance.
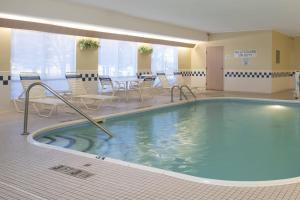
(237, 140)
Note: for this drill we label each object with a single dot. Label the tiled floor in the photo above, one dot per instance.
(25, 173)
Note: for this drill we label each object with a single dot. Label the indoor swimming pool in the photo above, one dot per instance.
(224, 139)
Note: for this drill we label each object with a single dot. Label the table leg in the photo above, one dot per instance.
(126, 88)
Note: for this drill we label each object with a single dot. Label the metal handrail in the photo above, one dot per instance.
(181, 92)
(25, 131)
(172, 92)
(189, 89)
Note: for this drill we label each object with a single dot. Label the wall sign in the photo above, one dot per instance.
(245, 53)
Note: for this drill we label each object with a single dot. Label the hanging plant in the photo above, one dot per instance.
(145, 50)
(85, 44)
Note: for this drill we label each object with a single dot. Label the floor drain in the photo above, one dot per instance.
(71, 171)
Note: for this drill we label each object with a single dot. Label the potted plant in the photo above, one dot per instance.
(145, 50)
(85, 44)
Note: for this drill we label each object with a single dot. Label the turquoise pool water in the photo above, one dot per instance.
(237, 140)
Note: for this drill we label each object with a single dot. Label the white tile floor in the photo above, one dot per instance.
(25, 173)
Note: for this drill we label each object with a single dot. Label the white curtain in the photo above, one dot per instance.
(117, 58)
(50, 55)
(164, 59)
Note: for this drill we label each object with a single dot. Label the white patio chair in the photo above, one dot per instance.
(145, 86)
(109, 86)
(144, 75)
(37, 96)
(141, 77)
(78, 92)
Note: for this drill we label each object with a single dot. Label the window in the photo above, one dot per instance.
(117, 58)
(50, 55)
(164, 59)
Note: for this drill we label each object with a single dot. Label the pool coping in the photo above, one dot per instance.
(182, 176)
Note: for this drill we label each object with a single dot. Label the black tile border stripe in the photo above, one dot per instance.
(282, 74)
(199, 73)
(140, 74)
(89, 76)
(185, 73)
(5, 79)
(233, 74)
(248, 74)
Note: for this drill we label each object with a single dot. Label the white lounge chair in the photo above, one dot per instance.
(37, 96)
(179, 80)
(78, 92)
(164, 83)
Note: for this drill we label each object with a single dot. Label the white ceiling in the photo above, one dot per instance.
(213, 15)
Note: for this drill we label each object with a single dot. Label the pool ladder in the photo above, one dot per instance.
(182, 94)
(25, 131)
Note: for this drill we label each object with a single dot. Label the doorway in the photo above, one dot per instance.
(215, 68)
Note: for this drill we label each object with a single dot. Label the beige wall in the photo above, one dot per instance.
(296, 54)
(285, 44)
(72, 12)
(143, 61)
(184, 58)
(87, 59)
(266, 43)
(5, 43)
(259, 40)
(198, 56)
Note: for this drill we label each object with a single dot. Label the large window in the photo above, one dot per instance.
(49, 55)
(164, 59)
(117, 58)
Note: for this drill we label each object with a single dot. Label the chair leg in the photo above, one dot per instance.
(17, 106)
(36, 109)
(152, 92)
(141, 95)
(99, 105)
(53, 107)
(56, 110)
(126, 94)
(86, 105)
